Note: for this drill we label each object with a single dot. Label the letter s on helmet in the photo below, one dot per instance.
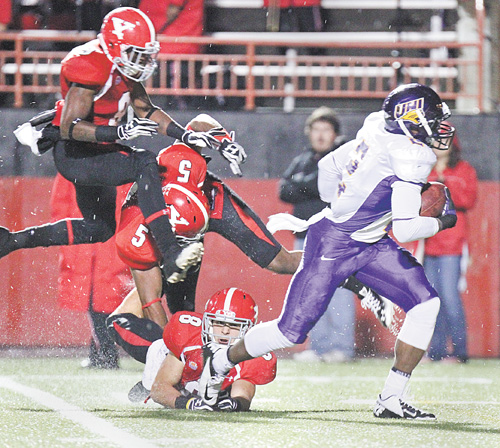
(231, 306)
(128, 39)
(417, 111)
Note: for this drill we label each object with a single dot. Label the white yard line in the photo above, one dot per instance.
(96, 425)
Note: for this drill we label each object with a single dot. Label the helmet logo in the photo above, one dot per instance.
(120, 26)
(408, 111)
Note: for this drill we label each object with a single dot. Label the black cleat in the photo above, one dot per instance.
(394, 407)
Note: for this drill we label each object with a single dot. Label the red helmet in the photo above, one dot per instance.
(187, 211)
(128, 39)
(230, 306)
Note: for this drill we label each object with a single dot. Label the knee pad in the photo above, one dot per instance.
(264, 338)
(418, 327)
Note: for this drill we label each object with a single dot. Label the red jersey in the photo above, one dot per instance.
(462, 182)
(88, 65)
(189, 22)
(182, 336)
(183, 165)
(135, 245)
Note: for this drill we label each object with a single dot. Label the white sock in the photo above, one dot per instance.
(395, 384)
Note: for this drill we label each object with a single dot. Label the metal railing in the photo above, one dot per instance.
(254, 69)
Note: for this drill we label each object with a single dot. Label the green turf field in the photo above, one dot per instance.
(52, 402)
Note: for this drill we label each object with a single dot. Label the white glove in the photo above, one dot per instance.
(136, 128)
(235, 154)
(29, 136)
(200, 140)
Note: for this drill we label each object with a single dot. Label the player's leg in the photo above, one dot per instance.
(97, 205)
(405, 284)
(149, 285)
(181, 296)
(134, 334)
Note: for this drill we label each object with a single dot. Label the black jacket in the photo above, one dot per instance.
(299, 184)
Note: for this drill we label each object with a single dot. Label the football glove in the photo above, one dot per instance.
(235, 154)
(199, 140)
(448, 218)
(228, 404)
(136, 128)
(197, 404)
(192, 402)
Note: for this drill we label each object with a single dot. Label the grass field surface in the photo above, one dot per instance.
(52, 402)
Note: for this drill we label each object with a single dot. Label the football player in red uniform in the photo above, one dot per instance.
(175, 362)
(99, 80)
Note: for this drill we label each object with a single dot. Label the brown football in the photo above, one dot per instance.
(433, 199)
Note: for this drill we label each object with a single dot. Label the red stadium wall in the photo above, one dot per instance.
(29, 315)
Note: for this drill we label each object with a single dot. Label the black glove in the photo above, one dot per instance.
(228, 404)
(136, 128)
(448, 218)
(50, 135)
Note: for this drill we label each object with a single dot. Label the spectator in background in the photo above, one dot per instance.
(332, 339)
(177, 18)
(91, 278)
(29, 14)
(444, 252)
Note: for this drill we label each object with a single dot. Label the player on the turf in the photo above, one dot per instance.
(371, 182)
(175, 361)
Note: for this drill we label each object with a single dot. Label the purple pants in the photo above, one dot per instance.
(330, 256)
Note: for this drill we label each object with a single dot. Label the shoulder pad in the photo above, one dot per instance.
(411, 161)
(87, 65)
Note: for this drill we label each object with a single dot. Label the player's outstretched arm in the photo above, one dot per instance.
(144, 108)
(163, 390)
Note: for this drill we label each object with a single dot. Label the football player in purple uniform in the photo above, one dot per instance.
(370, 182)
